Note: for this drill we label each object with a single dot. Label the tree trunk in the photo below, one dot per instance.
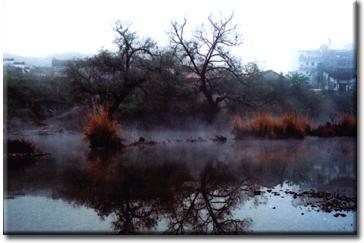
(213, 107)
(212, 113)
(117, 101)
(113, 108)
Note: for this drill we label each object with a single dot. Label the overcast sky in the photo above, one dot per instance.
(271, 29)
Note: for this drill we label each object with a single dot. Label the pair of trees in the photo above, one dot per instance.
(111, 77)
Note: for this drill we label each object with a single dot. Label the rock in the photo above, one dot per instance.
(219, 139)
(142, 141)
(257, 192)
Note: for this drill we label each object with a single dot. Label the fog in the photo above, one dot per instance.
(272, 30)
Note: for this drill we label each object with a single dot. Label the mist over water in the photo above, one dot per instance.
(261, 179)
(193, 117)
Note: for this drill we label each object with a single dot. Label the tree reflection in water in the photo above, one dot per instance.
(207, 208)
(140, 196)
(195, 188)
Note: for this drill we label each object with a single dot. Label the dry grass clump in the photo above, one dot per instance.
(101, 131)
(20, 146)
(291, 126)
(21, 152)
(324, 130)
(346, 126)
(295, 126)
(263, 125)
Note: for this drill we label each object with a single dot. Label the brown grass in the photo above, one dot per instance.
(295, 126)
(20, 146)
(291, 126)
(263, 125)
(20, 152)
(101, 131)
(324, 130)
(346, 126)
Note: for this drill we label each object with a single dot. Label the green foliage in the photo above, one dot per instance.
(297, 80)
(32, 96)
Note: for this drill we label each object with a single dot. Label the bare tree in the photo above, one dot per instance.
(112, 76)
(207, 55)
(208, 204)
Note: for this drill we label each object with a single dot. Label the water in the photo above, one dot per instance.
(247, 186)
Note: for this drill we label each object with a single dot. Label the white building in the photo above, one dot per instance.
(328, 69)
(8, 61)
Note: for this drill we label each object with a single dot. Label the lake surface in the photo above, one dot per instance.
(185, 183)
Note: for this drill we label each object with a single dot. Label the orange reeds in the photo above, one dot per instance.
(20, 146)
(346, 126)
(100, 130)
(263, 125)
(293, 125)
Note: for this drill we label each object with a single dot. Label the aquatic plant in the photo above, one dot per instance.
(263, 125)
(20, 146)
(102, 131)
(291, 126)
(294, 126)
(21, 152)
(346, 126)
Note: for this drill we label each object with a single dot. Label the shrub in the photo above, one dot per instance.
(292, 125)
(263, 125)
(20, 151)
(20, 146)
(346, 126)
(241, 127)
(102, 131)
(326, 130)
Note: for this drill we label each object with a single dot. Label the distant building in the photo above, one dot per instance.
(329, 69)
(10, 64)
(42, 71)
(59, 67)
(19, 65)
(271, 75)
(8, 61)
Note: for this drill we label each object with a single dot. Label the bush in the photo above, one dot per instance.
(101, 131)
(326, 130)
(20, 146)
(263, 125)
(20, 152)
(294, 126)
(346, 126)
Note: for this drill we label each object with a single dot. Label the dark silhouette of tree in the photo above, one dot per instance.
(142, 192)
(207, 55)
(111, 77)
(297, 79)
(207, 208)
